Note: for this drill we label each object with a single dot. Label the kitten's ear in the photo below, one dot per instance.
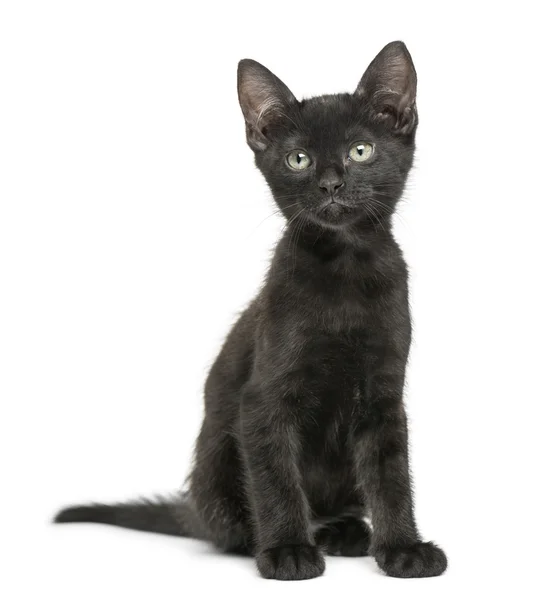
(390, 86)
(264, 100)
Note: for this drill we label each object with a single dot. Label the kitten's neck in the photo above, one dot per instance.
(315, 239)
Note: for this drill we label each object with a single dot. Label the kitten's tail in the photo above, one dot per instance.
(171, 516)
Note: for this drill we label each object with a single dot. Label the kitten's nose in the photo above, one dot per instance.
(331, 181)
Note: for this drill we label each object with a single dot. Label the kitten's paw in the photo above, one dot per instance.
(291, 562)
(350, 537)
(419, 560)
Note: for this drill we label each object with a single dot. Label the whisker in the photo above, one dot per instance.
(300, 226)
(397, 215)
(293, 227)
(272, 214)
(374, 215)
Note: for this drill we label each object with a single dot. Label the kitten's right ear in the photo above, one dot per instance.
(264, 100)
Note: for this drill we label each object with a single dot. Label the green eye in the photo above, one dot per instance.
(298, 160)
(361, 151)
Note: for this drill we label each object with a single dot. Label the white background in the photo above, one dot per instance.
(132, 231)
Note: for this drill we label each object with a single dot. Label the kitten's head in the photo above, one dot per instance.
(339, 158)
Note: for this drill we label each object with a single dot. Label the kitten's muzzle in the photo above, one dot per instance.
(331, 181)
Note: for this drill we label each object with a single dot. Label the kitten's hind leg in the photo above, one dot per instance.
(347, 536)
(216, 492)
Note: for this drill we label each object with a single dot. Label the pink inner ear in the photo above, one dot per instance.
(390, 85)
(401, 121)
(262, 96)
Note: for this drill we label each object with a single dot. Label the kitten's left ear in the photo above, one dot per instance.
(390, 86)
(265, 101)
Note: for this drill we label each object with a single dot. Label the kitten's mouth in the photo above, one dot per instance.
(335, 212)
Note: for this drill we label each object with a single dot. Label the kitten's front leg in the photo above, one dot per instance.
(381, 456)
(270, 443)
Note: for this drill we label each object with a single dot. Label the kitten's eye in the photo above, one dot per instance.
(361, 151)
(298, 160)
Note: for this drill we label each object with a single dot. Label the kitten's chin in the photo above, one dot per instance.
(336, 215)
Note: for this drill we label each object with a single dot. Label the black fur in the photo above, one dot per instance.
(305, 432)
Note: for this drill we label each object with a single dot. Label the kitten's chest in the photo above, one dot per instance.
(342, 305)
(336, 328)
(333, 371)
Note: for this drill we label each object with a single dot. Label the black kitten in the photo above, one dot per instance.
(305, 430)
